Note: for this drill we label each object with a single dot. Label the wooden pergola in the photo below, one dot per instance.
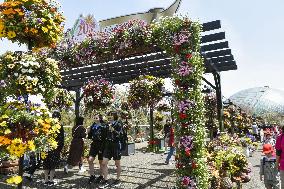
(214, 49)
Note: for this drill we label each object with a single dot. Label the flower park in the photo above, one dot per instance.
(124, 69)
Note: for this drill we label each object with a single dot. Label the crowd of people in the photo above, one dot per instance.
(109, 139)
(272, 163)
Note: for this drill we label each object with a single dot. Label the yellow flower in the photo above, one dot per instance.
(7, 131)
(44, 29)
(31, 145)
(3, 123)
(15, 180)
(43, 155)
(11, 34)
(2, 33)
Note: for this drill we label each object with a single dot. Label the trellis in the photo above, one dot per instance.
(214, 49)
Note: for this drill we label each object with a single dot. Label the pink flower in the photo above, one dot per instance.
(185, 181)
(185, 69)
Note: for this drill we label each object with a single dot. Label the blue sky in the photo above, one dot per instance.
(253, 28)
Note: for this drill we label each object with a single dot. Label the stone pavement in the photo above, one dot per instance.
(142, 170)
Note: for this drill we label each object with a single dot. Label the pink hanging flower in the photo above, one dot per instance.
(185, 69)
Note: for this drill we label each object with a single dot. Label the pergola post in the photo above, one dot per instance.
(220, 112)
(77, 103)
(151, 123)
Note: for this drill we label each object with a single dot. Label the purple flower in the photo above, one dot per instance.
(187, 142)
(2, 83)
(185, 105)
(181, 38)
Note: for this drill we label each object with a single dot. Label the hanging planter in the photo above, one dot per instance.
(28, 74)
(38, 23)
(145, 91)
(98, 94)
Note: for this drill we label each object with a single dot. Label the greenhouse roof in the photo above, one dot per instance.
(260, 100)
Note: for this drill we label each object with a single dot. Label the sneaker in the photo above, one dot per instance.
(104, 184)
(116, 183)
(99, 179)
(92, 178)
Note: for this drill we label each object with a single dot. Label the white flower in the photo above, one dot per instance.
(30, 71)
(16, 74)
(24, 70)
(29, 78)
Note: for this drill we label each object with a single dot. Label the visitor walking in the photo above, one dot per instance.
(167, 128)
(115, 143)
(171, 144)
(261, 134)
(77, 145)
(52, 159)
(255, 130)
(279, 146)
(268, 169)
(97, 133)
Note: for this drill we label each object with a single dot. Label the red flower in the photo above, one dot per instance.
(184, 125)
(188, 56)
(187, 151)
(182, 116)
(177, 48)
(177, 82)
(194, 165)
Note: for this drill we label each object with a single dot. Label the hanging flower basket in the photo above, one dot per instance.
(34, 22)
(60, 99)
(98, 94)
(145, 90)
(28, 74)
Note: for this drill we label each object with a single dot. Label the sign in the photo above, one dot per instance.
(84, 27)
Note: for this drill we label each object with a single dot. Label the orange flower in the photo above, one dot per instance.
(9, 11)
(19, 11)
(33, 30)
(4, 141)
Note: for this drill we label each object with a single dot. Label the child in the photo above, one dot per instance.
(268, 169)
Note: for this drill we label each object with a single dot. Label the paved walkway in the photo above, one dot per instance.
(255, 180)
(140, 171)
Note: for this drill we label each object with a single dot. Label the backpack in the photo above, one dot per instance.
(97, 132)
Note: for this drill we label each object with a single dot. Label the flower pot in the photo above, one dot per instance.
(129, 150)
(9, 163)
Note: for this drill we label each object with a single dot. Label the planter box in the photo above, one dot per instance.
(130, 150)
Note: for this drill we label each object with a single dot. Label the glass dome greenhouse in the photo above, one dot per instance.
(260, 100)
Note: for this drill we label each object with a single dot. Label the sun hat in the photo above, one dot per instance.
(267, 148)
